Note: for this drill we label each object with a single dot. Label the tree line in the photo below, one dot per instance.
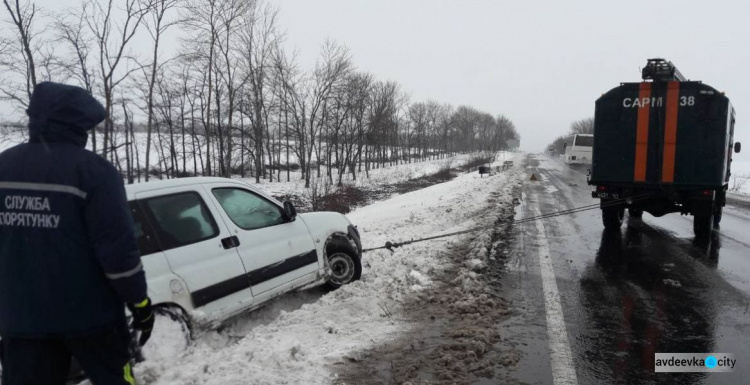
(232, 100)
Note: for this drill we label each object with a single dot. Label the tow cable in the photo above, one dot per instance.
(391, 245)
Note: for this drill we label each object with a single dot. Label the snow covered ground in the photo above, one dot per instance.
(741, 170)
(387, 175)
(303, 337)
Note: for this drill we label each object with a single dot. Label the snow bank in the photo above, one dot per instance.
(741, 169)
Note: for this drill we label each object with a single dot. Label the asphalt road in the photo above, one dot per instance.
(594, 307)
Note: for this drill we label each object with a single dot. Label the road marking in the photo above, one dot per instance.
(563, 371)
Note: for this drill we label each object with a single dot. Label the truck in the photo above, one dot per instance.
(663, 145)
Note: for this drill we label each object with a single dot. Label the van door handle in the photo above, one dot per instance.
(230, 242)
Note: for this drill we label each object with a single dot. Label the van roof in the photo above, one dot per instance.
(135, 188)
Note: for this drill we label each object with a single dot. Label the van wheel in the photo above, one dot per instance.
(345, 268)
(171, 336)
(635, 213)
(703, 225)
(612, 216)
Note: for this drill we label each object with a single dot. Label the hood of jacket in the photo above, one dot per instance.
(62, 113)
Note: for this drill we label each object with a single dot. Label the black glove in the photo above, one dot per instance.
(143, 319)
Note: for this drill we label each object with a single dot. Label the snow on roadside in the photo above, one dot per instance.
(387, 175)
(740, 171)
(299, 346)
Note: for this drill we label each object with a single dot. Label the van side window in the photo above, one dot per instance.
(181, 219)
(147, 242)
(247, 210)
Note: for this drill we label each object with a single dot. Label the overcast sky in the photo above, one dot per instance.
(540, 63)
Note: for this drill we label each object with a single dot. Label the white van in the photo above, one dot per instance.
(214, 247)
(579, 150)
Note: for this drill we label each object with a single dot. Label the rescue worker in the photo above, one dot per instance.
(69, 261)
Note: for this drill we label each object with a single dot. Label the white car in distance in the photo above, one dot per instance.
(213, 247)
(580, 149)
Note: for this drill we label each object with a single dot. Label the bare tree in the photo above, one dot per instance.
(22, 16)
(190, 86)
(156, 27)
(336, 125)
(416, 131)
(259, 41)
(505, 130)
(738, 182)
(444, 128)
(583, 126)
(168, 117)
(216, 24)
(358, 94)
(70, 31)
(130, 153)
(112, 39)
(286, 87)
(432, 142)
(204, 17)
(382, 119)
(332, 68)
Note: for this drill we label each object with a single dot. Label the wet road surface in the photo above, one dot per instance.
(622, 295)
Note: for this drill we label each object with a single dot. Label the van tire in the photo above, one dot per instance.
(169, 317)
(612, 216)
(345, 267)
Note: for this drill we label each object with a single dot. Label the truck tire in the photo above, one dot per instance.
(612, 216)
(703, 225)
(717, 215)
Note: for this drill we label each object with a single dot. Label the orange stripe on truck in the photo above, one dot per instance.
(670, 132)
(641, 137)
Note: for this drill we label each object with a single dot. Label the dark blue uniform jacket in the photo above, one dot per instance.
(68, 256)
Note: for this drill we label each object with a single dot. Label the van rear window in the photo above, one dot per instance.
(584, 141)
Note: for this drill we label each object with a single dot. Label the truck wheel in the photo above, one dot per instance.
(703, 225)
(717, 215)
(635, 213)
(612, 216)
